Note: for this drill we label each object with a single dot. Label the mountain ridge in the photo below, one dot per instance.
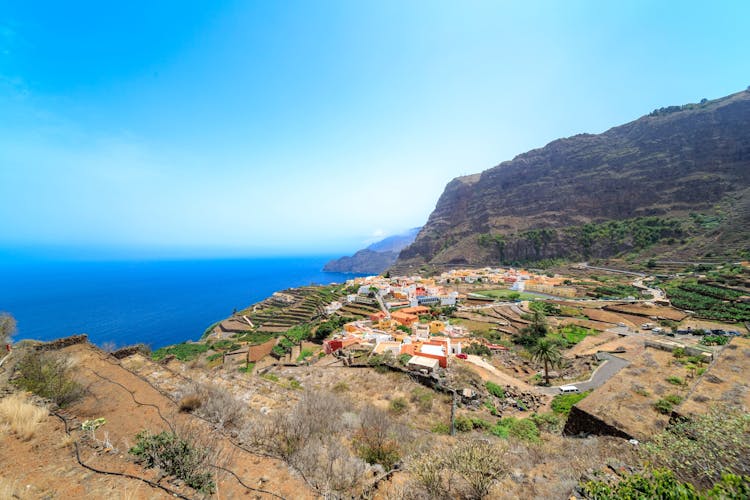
(679, 174)
(375, 258)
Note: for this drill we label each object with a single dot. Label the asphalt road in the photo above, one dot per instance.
(612, 364)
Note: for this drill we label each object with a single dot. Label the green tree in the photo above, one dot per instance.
(548, 352)
(536, 329)
(7, 327)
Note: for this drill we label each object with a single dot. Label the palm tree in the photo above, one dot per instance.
(546, 351)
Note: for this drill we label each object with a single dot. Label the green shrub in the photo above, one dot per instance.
(465, 423)
(547, 308)
(49, 376)
(477, 349)
(675, 380)
(562, 403)
(441, 428)
(398, 406)
(547, 421)
(175, 456)
(423, 398)
(491, 408)
(271, 377)
(524, 429)
(304, 354)
(673, 398)
(664, 406)
(703, 448)
(656, 484)
(495, 390)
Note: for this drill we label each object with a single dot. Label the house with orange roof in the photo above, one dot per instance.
(404, 318)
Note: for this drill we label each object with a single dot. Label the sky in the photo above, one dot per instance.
(240, 128)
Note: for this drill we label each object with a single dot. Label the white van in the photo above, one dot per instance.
(564, 389)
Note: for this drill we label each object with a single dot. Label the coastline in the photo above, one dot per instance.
(154, 302)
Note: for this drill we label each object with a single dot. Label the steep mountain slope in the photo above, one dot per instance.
(673, 183)
(376, 258)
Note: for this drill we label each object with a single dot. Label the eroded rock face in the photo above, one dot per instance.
(668, 164)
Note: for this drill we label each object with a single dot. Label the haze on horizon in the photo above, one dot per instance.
(268, 128)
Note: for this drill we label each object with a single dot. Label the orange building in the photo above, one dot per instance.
(415, 310)
(404, 318)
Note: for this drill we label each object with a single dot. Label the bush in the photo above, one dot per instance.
(477, 349)
(467, 470)
(441, 428)
(674, 399)
(495, 390)
(664, 406)
(656, 484)
(702, 449)
(48, 376)
(176, 456)
(524, 429)
(547, 422)
(376, 441)
(422, 398)
(190, 403)
(398, 406)
(675, 380)
(562, 403)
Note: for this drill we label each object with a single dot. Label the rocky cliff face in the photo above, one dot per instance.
(673, 182)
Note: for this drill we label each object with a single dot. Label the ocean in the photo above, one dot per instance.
(155, 302)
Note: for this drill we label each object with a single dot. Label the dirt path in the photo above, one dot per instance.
(492, 374)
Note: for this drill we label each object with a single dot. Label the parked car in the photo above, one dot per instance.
(734, 333)
(462, 356)
(657, 330)
(647, 326)
(621, 325)
(566, 389)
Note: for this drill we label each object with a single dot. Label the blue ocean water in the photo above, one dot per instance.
(155, 302)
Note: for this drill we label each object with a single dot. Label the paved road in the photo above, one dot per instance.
(612, 364)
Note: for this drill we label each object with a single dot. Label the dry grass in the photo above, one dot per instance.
(20, 416)
(10, 489)
(65, 442)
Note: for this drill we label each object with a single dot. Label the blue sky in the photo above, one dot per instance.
(258, 128)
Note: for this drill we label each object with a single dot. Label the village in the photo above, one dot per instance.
(474, 320)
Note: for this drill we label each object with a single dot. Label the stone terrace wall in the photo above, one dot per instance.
(61, 343)
(581, 422)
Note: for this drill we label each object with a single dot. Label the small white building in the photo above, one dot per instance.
(333, 307)
(422, 363)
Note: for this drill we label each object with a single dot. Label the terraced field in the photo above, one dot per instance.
(292, 307)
